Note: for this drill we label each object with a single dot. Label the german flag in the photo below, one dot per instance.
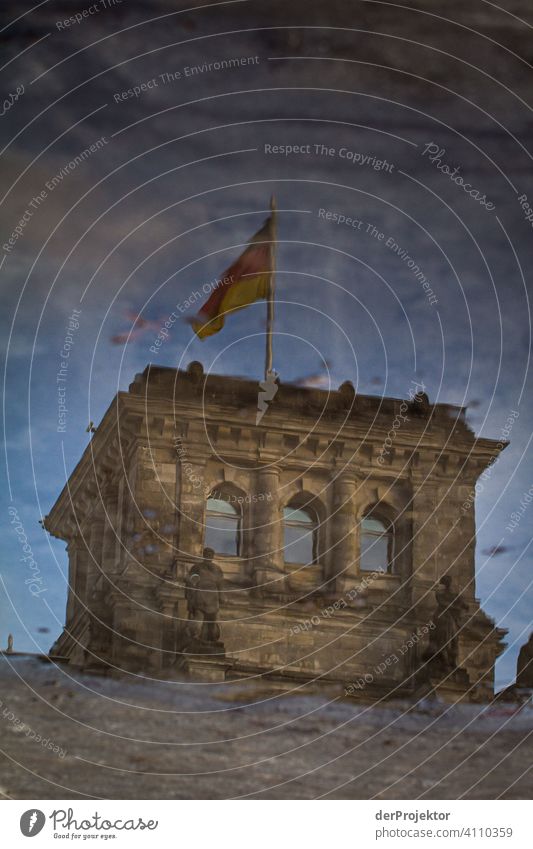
(244, 282)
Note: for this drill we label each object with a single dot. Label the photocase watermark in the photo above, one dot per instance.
(67, 169)
(391, 659)
(338, 604)
(186, 72)
(340, 218)
(365, 160)
(79, 17)
(11, 99)
(266, 394)
(32, 822)
(22, 727)
(526, 208)
(185, 305)
(370, 229)
(393, 246)
(516, 515)
(188, 469)
(39, 198)
(415, 396)
(65, 819)
(24, 220)
(232, 498)
(61, 377)
(34, 580)
(435, 155)
(480, 484)
(198, 482)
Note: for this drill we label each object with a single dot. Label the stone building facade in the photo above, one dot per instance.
(331, 519)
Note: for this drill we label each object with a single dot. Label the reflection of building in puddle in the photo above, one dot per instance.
(309, 520)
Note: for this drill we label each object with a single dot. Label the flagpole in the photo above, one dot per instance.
(271, 288)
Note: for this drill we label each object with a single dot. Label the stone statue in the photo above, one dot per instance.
(9, 649)
(204, 594)
(443, 644)
(524, 664)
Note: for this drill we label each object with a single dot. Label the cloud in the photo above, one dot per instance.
(496, 550)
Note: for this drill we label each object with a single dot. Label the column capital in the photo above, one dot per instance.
(271, 470)
(74, 544)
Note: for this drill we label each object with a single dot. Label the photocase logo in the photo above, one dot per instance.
(268, 389)
(32, 822)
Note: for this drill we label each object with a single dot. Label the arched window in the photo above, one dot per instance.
(223, 525)
(377, 544)
(300, 535)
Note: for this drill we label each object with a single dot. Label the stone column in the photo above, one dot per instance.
(148, 531)
(97, 595)
(136, 625)
(72, 602)
(122, 608)
(123, 495)
(101, 614)
(267, 533)
(343, 567)
(110, 543)
(95, 546)
(135, 619)
(82, 567)
(191, 502)
(456, 554)
(425, 545)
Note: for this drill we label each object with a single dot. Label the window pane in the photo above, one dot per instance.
(298, 545)
(299, 528)
(373, 525)
(219, 505)
(293, 514)
(221, 534)
(374, 552)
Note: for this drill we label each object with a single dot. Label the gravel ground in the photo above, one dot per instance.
(178, 740)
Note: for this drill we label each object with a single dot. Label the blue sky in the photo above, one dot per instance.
(183, 179)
